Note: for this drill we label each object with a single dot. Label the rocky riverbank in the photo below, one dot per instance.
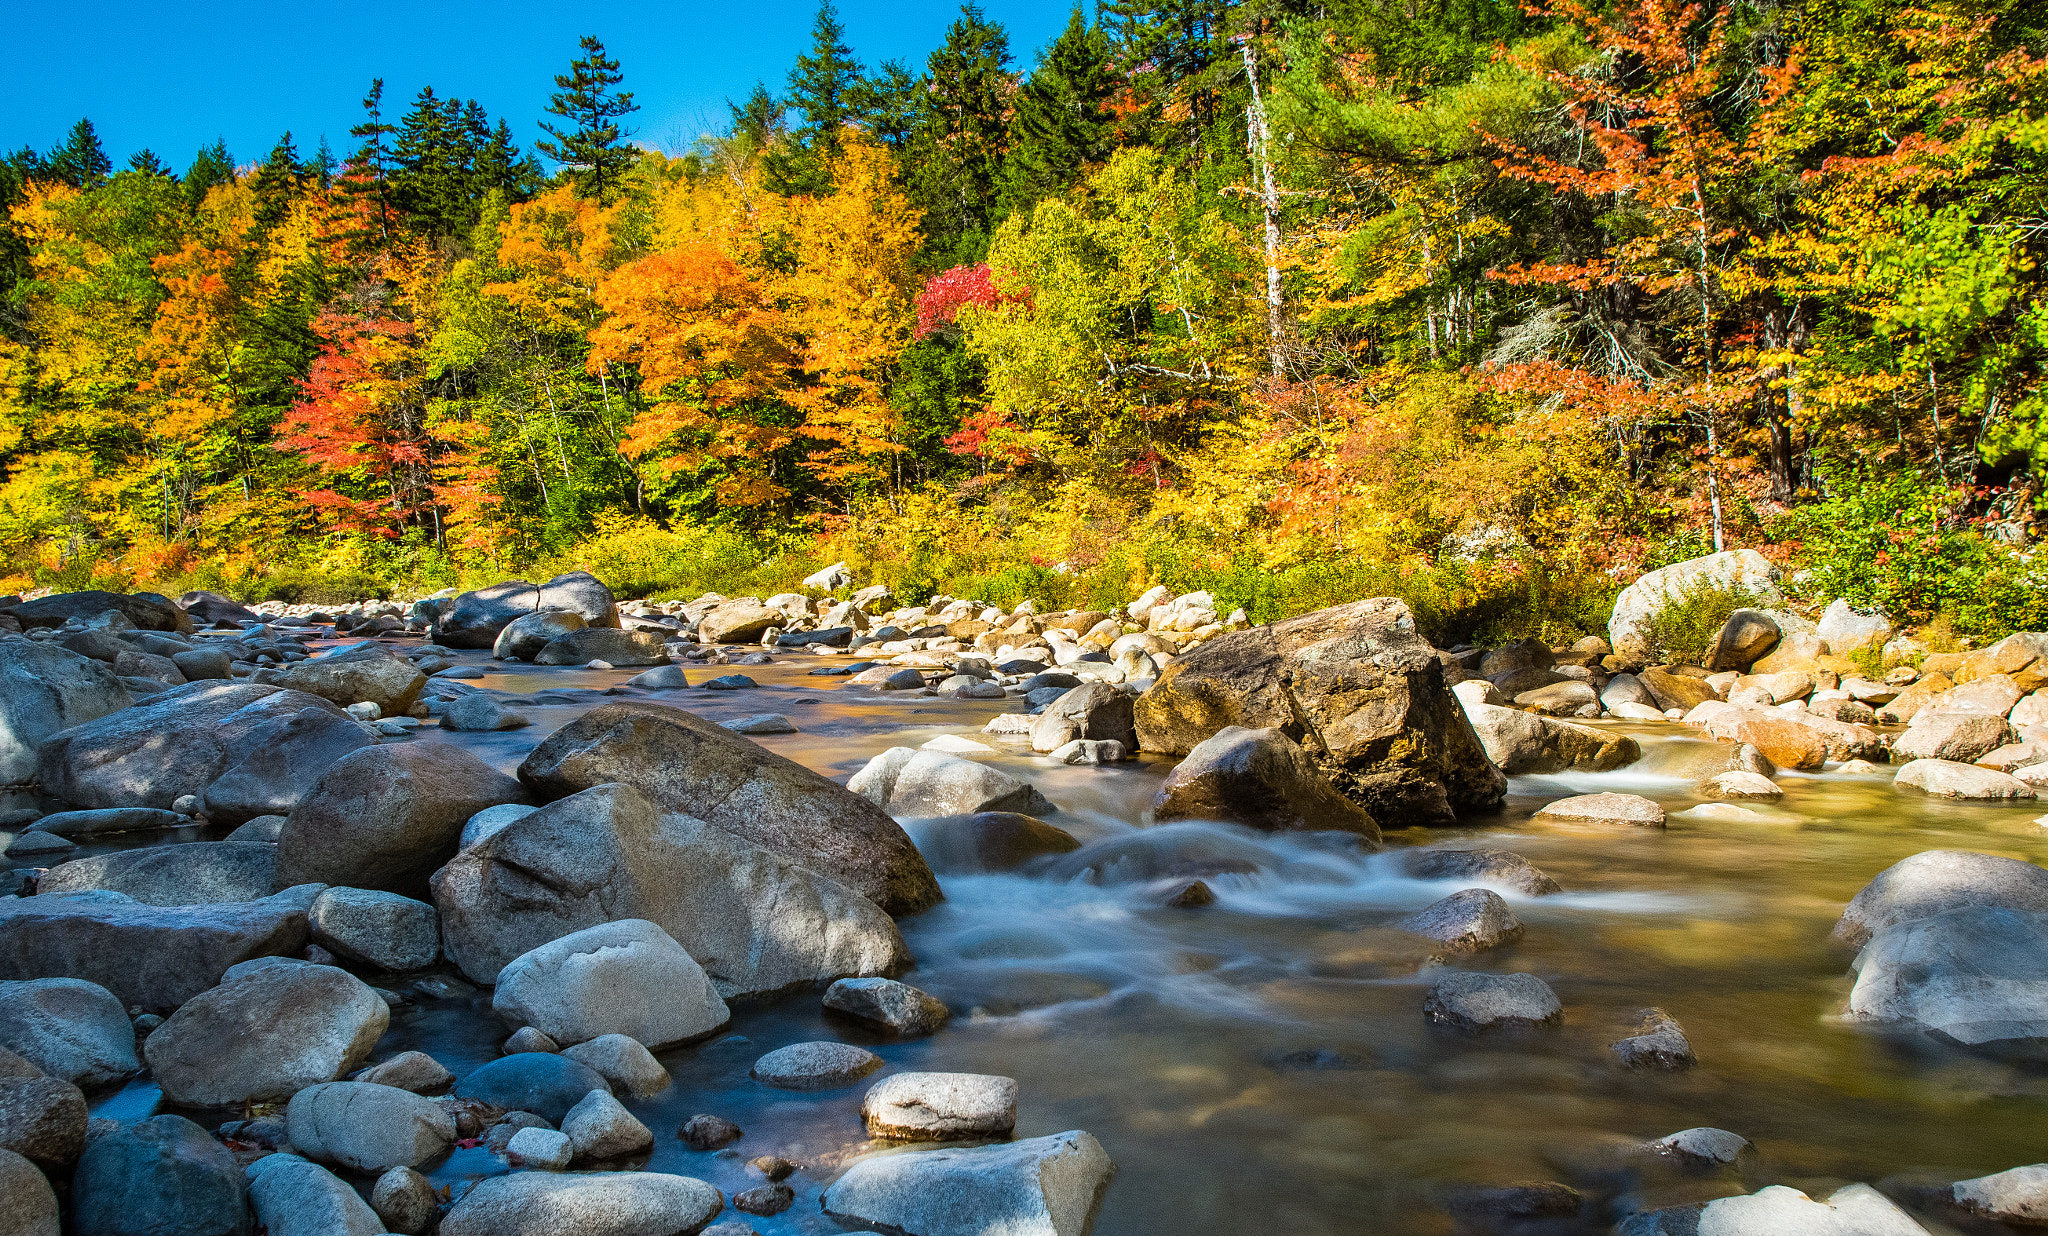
(260, 855)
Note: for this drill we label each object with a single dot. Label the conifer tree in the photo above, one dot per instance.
(590, 138)
(956, 154)
(1062, 122)
(371, 161)
(822, 86)
(146, 162)
(760, 122)
(887, 104)
(213, 165)
(80, 162)
(277, 182)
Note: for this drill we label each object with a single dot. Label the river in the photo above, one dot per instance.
(1262, 1063)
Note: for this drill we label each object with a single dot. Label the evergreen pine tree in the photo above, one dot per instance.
(146, 162)
(499, 166)
(823, 87)
(759, 123)
(277, 182)
(591, 138)
(1178, 53)
(80, 162)
(956, 154)
(323, 164)
(213, 165)
(370, 165)
(888, 104)
(431, 180)
(1063, 122)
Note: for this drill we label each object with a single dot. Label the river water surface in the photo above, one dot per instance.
(1262, 1064)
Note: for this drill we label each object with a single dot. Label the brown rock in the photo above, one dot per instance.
(1672, 690)
(1357, 687)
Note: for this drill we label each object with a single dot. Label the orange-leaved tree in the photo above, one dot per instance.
(1663, 152)
(713, 356)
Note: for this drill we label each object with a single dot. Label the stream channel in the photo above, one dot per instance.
(1261, 1064)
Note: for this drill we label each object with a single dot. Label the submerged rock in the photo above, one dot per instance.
(1470, 1001)
(1503, 867)
(1659, 1044)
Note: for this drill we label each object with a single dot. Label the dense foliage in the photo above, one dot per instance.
(1488, 306)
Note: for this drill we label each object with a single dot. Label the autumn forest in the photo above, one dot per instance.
(1490, 307)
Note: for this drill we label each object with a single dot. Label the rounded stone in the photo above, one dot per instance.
(1631, 810)
(1471, 1001)
(815, 1066)
(939, 1107)
(1738, 784)
(583, 1204)
(628, 977)
(1467, 921)
(548, 1086)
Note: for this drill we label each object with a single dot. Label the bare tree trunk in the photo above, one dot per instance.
(1269, 195)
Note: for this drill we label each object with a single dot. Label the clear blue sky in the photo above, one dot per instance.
(173, 76)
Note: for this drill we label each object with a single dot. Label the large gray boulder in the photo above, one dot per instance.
(917, 785)
(607, 644)
(376, 928)
(144, 611)
(196, 873)
(44, 689)
(366, 672)
(293, 1197)
(69, 1029)
(1976, 976)
(164, 1176)
(1958, 736)
(525, 636)
(1258, 778)
(157, 957)
(1523, 742)
(1042, 1186)
(628, 977)
(1937, 881)
(474, 619)
(584, 1204)
(284, 765)
(176, 743)
(1643, 599)
(689, 765)
(211, 607)
(269, 1031)
(367, 1127)
(385, 817)
(1357, 687)
(755, 921)
(1093, 710)
(1747, 637)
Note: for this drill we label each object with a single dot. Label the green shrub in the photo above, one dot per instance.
(1683, 629)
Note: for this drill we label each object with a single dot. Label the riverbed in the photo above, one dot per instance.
(1262, 1063)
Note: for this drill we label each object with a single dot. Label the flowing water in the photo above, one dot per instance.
(1262, 1063)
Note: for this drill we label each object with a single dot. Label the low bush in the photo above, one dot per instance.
(1683, 630)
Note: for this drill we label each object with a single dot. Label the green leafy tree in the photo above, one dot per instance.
(590, 138)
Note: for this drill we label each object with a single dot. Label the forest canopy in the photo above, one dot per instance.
(1493, 307)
